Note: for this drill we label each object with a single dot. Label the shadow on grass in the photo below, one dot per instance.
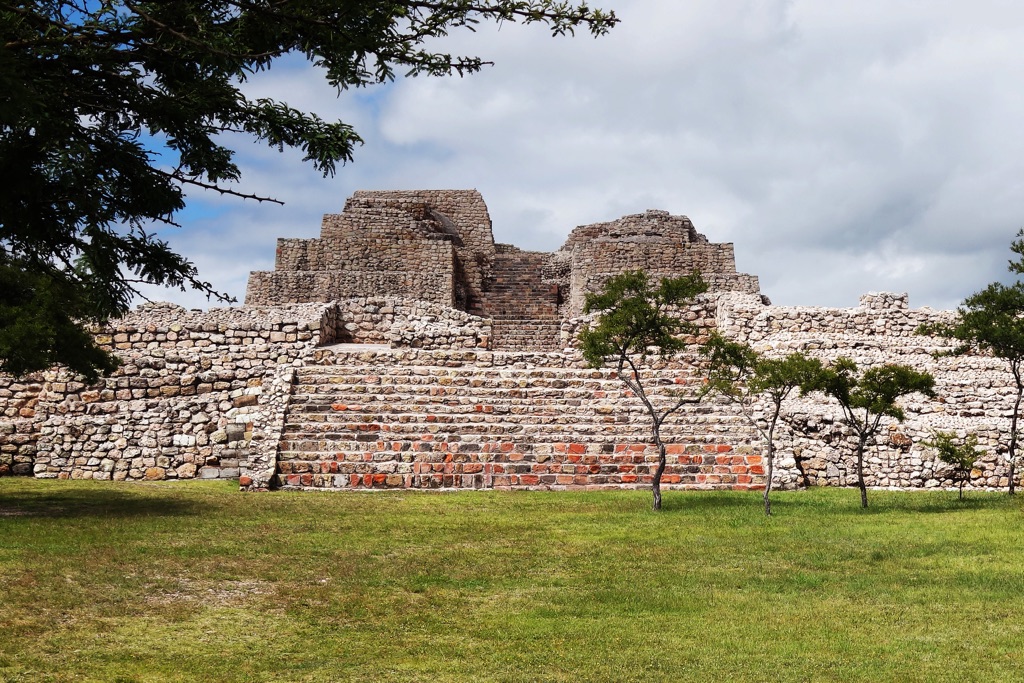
(879, 502)
(96, 502)
(673, 501)
(883, 502)
(936, 503)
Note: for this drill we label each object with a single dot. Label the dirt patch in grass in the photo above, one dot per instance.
(168, 591)
(24, 512)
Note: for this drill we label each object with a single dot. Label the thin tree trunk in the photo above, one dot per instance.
(805, 480)
(1013, 433)
(638, 390)
(860, 472)
(771, 466)
(656, 484)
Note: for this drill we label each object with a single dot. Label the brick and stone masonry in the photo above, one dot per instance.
(403, 348)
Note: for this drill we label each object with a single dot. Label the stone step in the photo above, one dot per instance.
(617, 456)
(378, 371)
(416, 384)
(505, 403)
(373, 479)
(301, 438)
(516, 288)
(443, 376)
(353, 466)
(501, 401)
(303, 426)
(524, 327)
(513, 344)
(547, 426)
(330, 428)
(516, 275)
(522, 295)
(439, 417)
(455, 386)
(516, 347)
(312, 426)
(333, 474)
(520, 424)
(346, 435)
(310, 433)
(515, 309)
(467, 392)
(455, 391)
(471, 444)
(546, 317)
(526, 334)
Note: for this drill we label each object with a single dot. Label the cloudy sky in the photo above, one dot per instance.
(844, 147)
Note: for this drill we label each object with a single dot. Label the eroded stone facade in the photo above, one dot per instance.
(437, 246)
(403, 348)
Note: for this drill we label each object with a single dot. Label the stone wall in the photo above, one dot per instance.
(253, 393)
(18, 423)
(272, 288)
(404, 323)
(655, 241)
(363, 253)
(194, 397)
(432, 245)
(974, 393)
(702, 315)
(199, 394)
(461, 214)
(438, 246)
(747, 318)
(471, 379)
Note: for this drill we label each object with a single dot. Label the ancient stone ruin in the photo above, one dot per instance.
(437, 247)
(403, 348)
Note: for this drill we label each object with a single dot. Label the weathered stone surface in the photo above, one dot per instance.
(155, 473)
(234, 431)
(245, 400)
(209, 473)
(470, 377)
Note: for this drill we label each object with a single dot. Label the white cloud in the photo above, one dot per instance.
(842, 147)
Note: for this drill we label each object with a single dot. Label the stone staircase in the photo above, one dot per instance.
(524, 308)
(457, 424)
(513, 333)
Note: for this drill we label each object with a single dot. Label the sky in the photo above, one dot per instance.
(843, 147)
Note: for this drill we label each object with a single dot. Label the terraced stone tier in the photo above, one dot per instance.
(466, 421)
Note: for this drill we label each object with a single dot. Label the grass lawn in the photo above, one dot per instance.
(197, 582)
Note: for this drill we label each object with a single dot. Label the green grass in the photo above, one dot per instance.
(184, 582)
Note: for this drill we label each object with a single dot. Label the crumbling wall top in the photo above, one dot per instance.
(164, 314)
(652, 225)
(461, 214)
